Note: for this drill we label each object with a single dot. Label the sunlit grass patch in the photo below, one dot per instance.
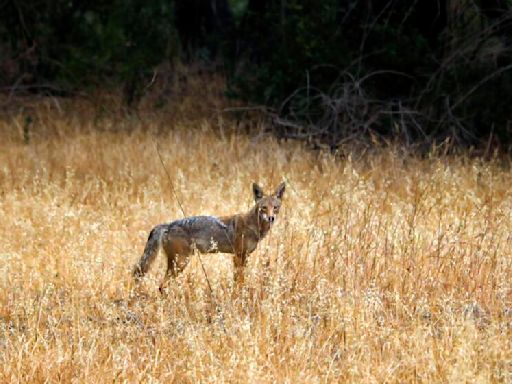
(379, 269)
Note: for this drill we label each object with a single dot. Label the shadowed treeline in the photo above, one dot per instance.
(335, 72)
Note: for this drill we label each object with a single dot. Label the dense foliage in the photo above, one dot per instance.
(70, 45)
(329, 71)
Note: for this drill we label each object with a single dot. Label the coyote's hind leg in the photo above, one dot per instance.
(178, 253)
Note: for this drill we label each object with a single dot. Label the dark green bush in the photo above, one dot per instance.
(76, 45)
(404, 69)
(329, 71)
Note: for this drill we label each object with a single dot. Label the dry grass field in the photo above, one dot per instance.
(381, 268)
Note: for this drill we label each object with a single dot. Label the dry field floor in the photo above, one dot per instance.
(381, 268)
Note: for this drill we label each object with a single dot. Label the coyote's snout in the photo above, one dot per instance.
(238, 234)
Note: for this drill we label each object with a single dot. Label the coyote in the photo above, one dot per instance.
(238, 234)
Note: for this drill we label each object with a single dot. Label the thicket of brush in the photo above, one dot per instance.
(420, 73)
(381, 268)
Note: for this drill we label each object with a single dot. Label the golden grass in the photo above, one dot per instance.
(382, 269)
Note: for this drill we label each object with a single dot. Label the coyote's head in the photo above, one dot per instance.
(268, 206)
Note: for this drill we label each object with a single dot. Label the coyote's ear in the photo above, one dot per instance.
(280, 191)
(258, 192)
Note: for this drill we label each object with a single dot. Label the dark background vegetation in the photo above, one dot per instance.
(419, 72)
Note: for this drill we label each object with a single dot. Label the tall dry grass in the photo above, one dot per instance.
(380, 269)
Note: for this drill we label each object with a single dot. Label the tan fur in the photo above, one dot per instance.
(238, 234)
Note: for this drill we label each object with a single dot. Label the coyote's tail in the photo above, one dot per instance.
(150, 251)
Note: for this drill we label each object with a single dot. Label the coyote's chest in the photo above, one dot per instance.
(249, 236)
(248, 243)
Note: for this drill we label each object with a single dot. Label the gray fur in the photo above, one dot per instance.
(208, 233)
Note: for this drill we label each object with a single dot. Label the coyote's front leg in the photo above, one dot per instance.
(239, 262)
